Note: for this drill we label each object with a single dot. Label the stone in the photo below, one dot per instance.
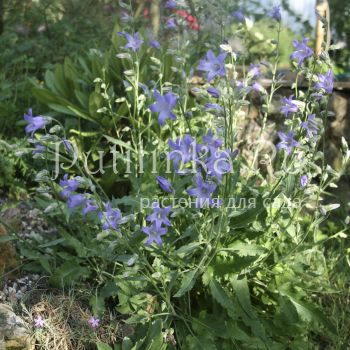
(15, 334)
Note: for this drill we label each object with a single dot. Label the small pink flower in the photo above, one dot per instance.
(94, 322)
(39, 322)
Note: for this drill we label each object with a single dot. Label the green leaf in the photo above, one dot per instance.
(52, 243)
(154, 338)
(220, 295)
(103, 346)
(249, 316)
(127, 344)
(241, 218)
(119, 143)
(307, 311)
(187, 283)
(76, 244)
(188, 248)
(7, 238)
(245, 249)
(95, 102)
(45, 264)
(69, 273)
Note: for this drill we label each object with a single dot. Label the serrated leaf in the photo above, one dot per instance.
(220, 295)
(187, 283)
(245, 249)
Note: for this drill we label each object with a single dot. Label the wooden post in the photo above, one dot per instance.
(322, 26)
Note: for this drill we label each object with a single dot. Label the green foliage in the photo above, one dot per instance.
(14, 171)
(38, 34)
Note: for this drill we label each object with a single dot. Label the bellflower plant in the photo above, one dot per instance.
(325, 82)
(302, 50)
(177, 227)
(287, 141)
(310, 126)
(275, 13)
(170, 4)
(164, 184)
(110, 218)
(289, 106)
(213, 92)
(239, 16)
(159, 217)
(203, 192)
(213, 65)
(154, 234)
(164, 105)
(34, 123)
(68, 185)
(75, 200)
(134, 42)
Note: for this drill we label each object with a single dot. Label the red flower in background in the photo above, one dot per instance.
(146, 12)
(191, 21)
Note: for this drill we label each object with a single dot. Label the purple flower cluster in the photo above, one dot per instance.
(157, 219)
(287, 141)
(164, 105)
(110, 218)
(134, 42)
(170, 4)
(203, 191)
(74, 200)
(325, 82)
(213, 92)
(213, 161)
(208, 161)
(275, 13)
(164, 184)
(239, 16)
(34, 123)
(171, 23)
(254, 71)
(183, 151)
(310, 126)
(39, 322)
(302, 51)
(213, 65)
(94, 322)
(289, 106)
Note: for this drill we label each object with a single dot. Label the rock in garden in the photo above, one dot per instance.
(14, 332)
